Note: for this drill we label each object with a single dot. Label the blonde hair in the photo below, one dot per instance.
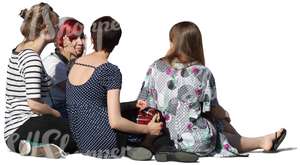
(37, 18)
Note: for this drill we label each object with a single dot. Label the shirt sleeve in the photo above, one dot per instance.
(58, 73)
(113, 78)
(210, 94)
(214, 100)
(31, 71)
(56, 69)
(148, 91)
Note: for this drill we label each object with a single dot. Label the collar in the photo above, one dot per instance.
(178, 65)
(61, 57)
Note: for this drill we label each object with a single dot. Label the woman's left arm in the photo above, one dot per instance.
(145, 97)
(220, 113)
(215, 109)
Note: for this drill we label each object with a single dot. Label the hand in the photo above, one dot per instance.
(68, 46)
(154, 127)
(142, 104)
(55, 113)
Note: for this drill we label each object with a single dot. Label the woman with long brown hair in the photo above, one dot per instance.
(183, 89)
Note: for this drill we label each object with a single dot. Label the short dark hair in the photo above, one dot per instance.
(106, 33)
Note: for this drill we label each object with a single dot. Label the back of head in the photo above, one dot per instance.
(37, 18)
(187, 43)
(106, 33)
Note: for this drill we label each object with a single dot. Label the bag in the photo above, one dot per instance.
(146, 115)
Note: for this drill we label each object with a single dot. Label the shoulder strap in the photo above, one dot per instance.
(86, 65)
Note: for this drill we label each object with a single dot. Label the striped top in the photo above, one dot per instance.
(26, 79)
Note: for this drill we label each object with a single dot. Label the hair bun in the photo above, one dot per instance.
(23, 13)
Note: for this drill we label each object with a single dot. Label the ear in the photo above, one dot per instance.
(171, 45)
(66, 41)
(48, 32)
(44, 33)
(48, 28)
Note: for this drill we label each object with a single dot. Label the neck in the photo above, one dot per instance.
(102, 54)
(37, 45)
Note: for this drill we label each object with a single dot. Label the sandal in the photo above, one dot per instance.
(277, 141)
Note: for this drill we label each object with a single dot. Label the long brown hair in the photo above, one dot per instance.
(187, 43)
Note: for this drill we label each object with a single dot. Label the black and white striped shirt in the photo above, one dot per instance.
(26, 79)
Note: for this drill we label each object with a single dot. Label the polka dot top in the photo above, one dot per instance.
(87, 109)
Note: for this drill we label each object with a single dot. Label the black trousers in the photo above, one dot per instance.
(48, 129)
(161, 143)
(44, 129)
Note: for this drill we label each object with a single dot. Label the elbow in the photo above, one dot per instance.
(114, 125)
(35, 105)
(32, 105)
(35, 109)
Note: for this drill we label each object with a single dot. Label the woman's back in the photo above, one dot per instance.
(185, 83)
(181, 93)
(26, 78)
(87, 107)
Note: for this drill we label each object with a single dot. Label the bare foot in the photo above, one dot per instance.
(269, 139)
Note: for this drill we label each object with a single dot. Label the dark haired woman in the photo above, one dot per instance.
(183, 89)
(92, 94)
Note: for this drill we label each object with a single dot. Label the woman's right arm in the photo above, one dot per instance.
(39, 107)
(31, 70)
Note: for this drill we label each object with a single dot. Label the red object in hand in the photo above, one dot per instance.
(146, 115)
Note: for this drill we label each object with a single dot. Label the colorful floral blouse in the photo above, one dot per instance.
(183, 93)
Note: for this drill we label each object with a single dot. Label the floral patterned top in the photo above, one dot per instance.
(182, 93)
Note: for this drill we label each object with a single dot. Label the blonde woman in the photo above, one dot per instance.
(32, 127)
